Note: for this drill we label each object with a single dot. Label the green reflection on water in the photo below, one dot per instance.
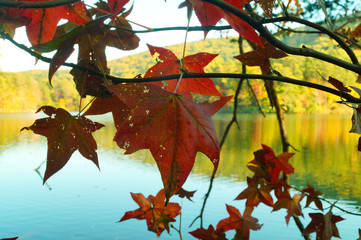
(328, 156)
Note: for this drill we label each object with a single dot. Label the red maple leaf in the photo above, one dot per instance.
(208, 234)
(291, 204)
(255, 194)
(312, 196)
(154, 211)
(242, 224)
(65, 134)
(272, 165)
(171, 126)
(43, 22)
(209, 15)
(261, 56)
(323, 225)
(169, 64)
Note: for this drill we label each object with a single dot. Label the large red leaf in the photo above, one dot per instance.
(154, 211)
(169, 64)
(171, 126)
(65, 134)
(43, 22)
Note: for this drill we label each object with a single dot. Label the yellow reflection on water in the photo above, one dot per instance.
(327, 157)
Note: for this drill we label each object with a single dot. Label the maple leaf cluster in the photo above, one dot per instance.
(267, 169)
(164, 119)
(161, 117)
(154, 211)
(241, 224)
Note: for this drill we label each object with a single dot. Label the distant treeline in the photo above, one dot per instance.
(26, 91)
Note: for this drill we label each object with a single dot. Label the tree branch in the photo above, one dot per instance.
(343, 95)
(43, 4)
(334, 36)
(118, 80)
(190, 29)
(307, 52)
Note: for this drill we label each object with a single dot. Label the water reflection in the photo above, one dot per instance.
(328, 159)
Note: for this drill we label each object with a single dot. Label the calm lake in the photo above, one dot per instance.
(80, 202)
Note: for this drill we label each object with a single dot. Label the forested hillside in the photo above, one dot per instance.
(26, 91)
(22, 91)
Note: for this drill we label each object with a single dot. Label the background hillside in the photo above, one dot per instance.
(26, 91)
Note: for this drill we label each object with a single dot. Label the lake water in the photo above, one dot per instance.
(80, 202)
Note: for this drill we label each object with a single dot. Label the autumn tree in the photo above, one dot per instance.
(168, 108)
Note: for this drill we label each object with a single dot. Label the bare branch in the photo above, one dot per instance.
(334, 36)
(307, 52)
(118, 80)
(42, 4)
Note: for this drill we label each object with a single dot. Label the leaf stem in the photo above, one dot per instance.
(119, 17)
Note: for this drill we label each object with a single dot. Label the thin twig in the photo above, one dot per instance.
(255, 98)
(42, 4)
(322, 29)
(326, 200)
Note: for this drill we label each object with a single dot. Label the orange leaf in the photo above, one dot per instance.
(154, 211)
(356, 32)
(242, 224)
(271, 165)
(208, 234)
(171, 126)
(255, 195)
(291, 204)
(169, 64)
(65, 134)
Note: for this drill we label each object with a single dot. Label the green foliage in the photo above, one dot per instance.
(27, 91)
(35, 90)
